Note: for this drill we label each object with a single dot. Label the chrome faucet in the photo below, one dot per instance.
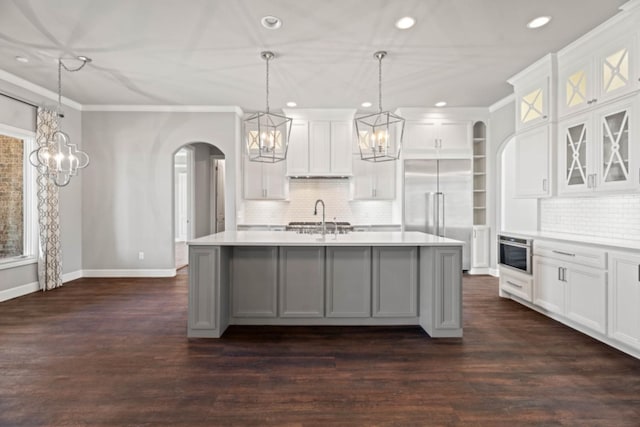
(315, 212)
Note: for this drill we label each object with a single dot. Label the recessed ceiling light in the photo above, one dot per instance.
(291, 104)
(538, 22)
(405, 23)
(22, 59)
(441, 103)
(271, 22)
(366, 104)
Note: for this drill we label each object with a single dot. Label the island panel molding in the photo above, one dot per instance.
(280, 278)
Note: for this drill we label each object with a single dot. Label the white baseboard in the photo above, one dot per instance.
(67, 277)
(19, 291)
(494, 272)
(169, 272)
(28, 288)
(475, 271)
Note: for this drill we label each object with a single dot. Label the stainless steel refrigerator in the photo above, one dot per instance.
(438, 199)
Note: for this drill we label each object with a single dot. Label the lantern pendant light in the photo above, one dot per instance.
(267, 134)
(380, 134)
(56, 157)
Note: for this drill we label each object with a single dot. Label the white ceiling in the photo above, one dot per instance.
(206, 52)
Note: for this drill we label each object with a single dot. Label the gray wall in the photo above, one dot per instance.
(127, 199)
(70, 206)
(500, 129)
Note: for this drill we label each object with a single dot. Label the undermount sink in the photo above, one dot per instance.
(316, 227)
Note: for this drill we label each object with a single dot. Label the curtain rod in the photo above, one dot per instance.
(17, 98)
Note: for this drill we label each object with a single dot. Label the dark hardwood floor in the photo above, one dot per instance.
(114, 352)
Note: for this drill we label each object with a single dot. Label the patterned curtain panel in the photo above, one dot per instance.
(49, 254)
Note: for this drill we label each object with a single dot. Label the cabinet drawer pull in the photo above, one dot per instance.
(514, 284)
(563, 253)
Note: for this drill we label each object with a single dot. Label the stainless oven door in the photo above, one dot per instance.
(515, 255)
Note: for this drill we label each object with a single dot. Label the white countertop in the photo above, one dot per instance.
(289, 238)
(576, 238)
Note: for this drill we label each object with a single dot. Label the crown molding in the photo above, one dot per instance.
(501, 103)
(39, 90)
(166, 108)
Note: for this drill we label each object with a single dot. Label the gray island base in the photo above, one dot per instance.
(284, 278)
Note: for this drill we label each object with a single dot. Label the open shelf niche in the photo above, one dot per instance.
(479, 173)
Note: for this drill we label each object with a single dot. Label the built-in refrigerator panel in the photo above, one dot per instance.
(420, 179)
(438, 199)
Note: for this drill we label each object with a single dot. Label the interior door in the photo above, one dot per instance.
(219, 196)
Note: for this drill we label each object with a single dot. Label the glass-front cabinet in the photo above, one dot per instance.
(615, 151)
(596, 151)
(575, 142)
(593, 79)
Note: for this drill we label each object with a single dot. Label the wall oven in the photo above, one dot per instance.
(515, 253)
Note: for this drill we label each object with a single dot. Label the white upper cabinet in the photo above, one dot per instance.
(438, 138)
(373, 180)
(298, 151)
(616, 69)
(533, 150)
(321, 143)
(264, 181)
(341, 138)
(590, 75)
(596, 150)
(534, 90)
(319, 147)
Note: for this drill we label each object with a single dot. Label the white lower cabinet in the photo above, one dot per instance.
(516, 283)
(624, 298)
(548, 288)
(586, 296)
(480, 247)
(574, 291)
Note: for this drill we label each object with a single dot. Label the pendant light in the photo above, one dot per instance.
(57, 158)
(380, 134)
(267, 134)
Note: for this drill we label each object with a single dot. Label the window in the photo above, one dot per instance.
(18, 206)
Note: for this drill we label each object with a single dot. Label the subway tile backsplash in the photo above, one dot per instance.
(611, 216)
(302, 197)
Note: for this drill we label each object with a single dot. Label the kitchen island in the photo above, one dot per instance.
(364, 278)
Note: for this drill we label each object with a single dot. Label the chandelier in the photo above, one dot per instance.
(57, 158)
(380, 134)
(267, 134)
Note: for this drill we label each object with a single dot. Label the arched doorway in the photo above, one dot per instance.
(198, 195)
